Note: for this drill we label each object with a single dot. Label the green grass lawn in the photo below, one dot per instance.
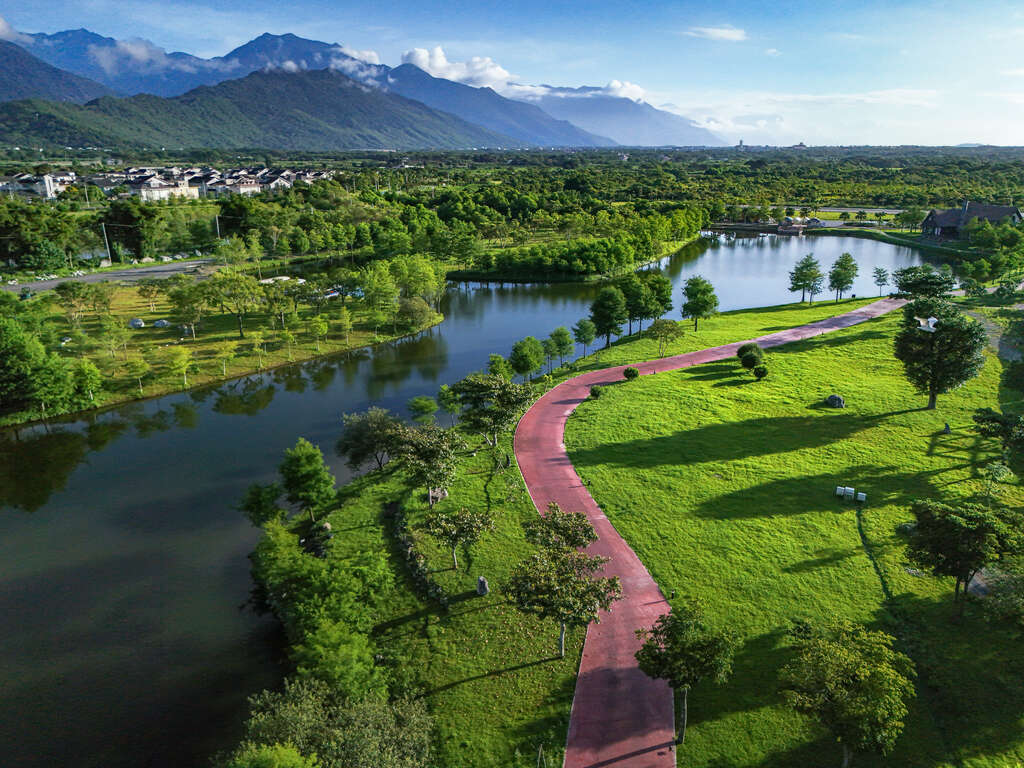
(724, 487)
(494, 686)
(724, 328)
(491, 676)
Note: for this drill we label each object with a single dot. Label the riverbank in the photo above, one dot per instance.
(491, 676)
(469, 275)
(216, 355)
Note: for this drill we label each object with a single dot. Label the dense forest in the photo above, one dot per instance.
(383, 233)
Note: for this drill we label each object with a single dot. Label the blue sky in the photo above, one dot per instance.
(821, 72)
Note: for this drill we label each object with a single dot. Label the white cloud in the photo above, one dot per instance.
(479, 71)
(722, 34)
(625, 89)
(1013, 72)
(368, 56)
(10, 34)
(139, 54)
(772, 52)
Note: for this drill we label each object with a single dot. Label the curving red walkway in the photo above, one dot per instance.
(620, 717)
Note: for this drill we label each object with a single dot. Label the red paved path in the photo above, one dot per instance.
(620, 717)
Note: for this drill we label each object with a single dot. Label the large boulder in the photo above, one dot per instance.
(835, 401)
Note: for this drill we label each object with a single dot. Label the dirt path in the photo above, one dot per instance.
(620, 717)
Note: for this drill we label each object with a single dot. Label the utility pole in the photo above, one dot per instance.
(216, 220)
(106, 241)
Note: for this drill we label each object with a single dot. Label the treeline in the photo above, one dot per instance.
(62, 351)
(642, 241)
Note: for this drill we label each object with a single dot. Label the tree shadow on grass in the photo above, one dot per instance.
(970, 679)
(825, 559)
(713, 371)
(829, 339)
(492, 673)
(548, 731)
(728, 441)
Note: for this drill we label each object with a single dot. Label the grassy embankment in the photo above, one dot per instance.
(493, 685)
(724, 487)
(217, 335)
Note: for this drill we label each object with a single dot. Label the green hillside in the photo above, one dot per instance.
(315, 110)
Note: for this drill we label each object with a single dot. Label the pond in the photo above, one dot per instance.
(125, 639)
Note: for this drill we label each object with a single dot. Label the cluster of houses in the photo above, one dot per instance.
(154, 184)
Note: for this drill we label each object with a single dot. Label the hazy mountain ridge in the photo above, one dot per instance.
(562, 117)
(23, 76)
(314, 110)
(631, 123)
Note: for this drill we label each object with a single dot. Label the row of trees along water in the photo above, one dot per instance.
(850, 678)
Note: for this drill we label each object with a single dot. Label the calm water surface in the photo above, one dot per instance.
(123, 565)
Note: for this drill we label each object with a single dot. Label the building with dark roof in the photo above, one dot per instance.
(951, 222)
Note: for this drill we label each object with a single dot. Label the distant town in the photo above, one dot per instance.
(153, 184)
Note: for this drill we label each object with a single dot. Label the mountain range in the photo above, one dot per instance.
(161, 85)
(319, 109)
(23, 76)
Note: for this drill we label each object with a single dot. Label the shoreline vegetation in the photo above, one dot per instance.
(502, 690)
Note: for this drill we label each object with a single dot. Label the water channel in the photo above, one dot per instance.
(123, 566)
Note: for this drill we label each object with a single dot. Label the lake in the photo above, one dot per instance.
(124, 573)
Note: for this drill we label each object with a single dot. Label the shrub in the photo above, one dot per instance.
(631, 373)
(750, 361)
(750, 348)
(760, 372)
(595, 391)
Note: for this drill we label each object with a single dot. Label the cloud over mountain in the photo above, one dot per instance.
(9, 33)
(479, 71)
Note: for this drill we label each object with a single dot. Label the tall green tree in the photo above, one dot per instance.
(306, 480)
(701, 302)
(959, 541)
(881, 277)
(178, 362)
(558, 529)
(430, 454)
(923, 282)
(806, 277)
(499, 366)
(841, 276)
(562, 341)
(21, 354)
(527, 356)
(937, 359)
(665, 331)
(463, 527)
(608, 313)
(683, 650)
(372, 434)
(562, 584)
(449, 401)
(237, 292)
(584, 332)
(358, 732)
(422, 409)
(851, 681)
(490, 404)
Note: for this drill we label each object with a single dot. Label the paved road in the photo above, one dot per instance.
(156, 272)
(620, 717)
